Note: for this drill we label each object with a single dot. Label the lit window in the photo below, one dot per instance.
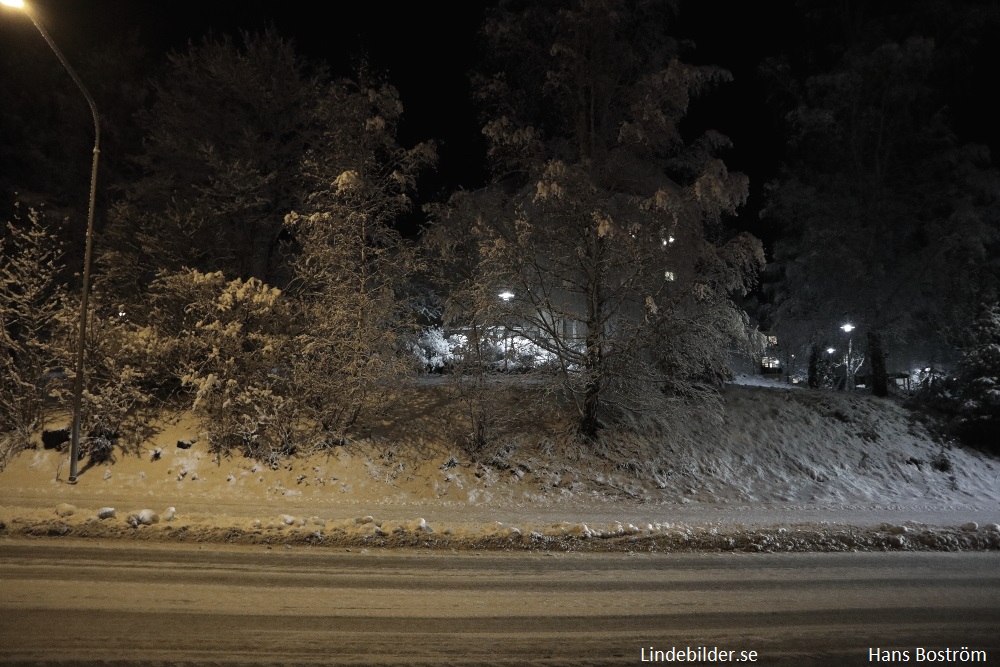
(770, 362)
(772, 340)
(669, 275)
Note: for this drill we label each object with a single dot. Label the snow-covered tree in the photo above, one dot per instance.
(603, 230)
(260, 172)
(978, 381)
(31, 299)
(351, 266)
(221, 162)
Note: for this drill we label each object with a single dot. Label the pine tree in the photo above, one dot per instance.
(978, 381)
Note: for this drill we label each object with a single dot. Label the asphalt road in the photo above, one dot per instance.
(78, 602)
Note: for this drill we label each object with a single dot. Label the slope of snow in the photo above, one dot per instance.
(783, 469)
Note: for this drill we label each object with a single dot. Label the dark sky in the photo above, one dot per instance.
(426, 50)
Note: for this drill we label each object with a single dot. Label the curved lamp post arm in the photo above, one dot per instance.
(84, 300)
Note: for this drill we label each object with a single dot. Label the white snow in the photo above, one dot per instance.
(761, 470)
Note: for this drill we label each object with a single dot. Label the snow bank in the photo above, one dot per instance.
(563, 536)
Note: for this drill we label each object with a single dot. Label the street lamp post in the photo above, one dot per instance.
(82, 338)
(849, 376)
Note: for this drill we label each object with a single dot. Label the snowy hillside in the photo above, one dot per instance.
(761, 456)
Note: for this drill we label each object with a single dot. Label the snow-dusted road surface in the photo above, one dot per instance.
(81, 602)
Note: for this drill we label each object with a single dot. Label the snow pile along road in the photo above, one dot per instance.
(287, 530)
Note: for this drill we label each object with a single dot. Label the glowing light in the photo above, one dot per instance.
(830, 350)
(848, 327)
(19, 4)
(669, 275)
(506, 296)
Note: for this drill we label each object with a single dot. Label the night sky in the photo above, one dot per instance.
(428, 49)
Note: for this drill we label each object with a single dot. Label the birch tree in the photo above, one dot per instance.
(607, 234)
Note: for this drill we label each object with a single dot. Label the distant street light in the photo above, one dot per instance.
(506, 296)
(82, 339)
(830, 350)
(849, 376)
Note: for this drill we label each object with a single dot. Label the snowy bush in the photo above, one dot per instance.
(31, 297)
(513, 351)
(693, 348)
(435, 350)
(232, 347)
(499, 349)
(38, 337)
(117, 395)
(970, 399)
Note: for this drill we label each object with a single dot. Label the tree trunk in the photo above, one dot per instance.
(814, 367)
(260, 260)
(876, 356)
(591, 424)
(594, 360)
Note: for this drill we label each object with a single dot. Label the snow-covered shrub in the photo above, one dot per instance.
(515, 352)
(31, 297)
(482, 396)
(101, 449)
(500, 349)
(233, 344)
(435, 350)
(693, 347)
(117, 392)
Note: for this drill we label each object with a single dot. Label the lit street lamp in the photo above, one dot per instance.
(82, 339)
(849, 376)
